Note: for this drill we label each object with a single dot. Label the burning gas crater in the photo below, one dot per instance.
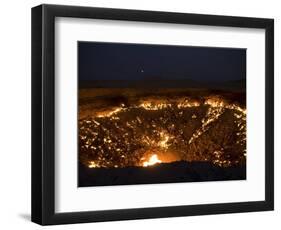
(165, 130)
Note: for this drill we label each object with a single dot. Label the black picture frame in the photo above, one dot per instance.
(43, 110)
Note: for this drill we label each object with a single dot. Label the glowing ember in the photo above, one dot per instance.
(152, 161)
(92, 164)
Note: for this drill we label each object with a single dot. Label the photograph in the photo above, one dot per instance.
(140, 114)
(157, 113)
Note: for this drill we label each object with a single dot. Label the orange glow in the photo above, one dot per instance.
(154, 130)
(152, 161)
(92, 164)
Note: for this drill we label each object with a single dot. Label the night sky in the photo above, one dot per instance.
(123, 61)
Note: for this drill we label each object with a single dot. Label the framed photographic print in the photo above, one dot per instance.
(142, 114)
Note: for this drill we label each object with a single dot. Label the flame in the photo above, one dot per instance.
(100, 141)
(154, 106)
(110, 113)
(93, 164)
(163, 143)
(152, 161)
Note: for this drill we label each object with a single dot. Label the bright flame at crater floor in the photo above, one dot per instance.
(152, 161)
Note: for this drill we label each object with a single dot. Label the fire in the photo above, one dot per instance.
(93, 164)
(110, 113)
(150, 131)
(152, 161)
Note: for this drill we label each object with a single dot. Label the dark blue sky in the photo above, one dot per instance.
(123, 61)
